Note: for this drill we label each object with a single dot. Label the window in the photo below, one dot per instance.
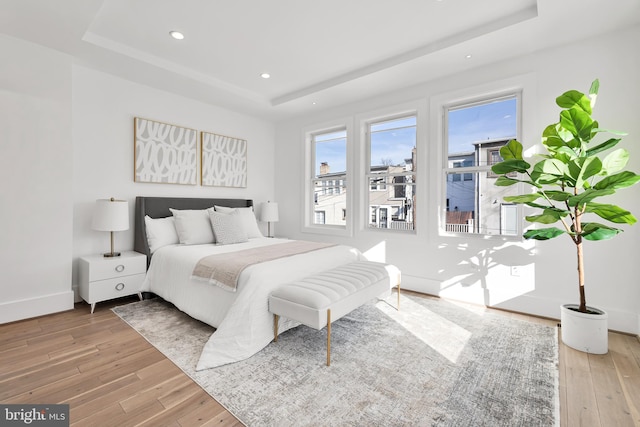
(474, 133)
(327, 169)
(391, 175)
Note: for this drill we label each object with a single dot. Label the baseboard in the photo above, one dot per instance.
(33, 307)
(621, 321)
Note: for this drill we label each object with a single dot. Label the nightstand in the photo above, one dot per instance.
(103, 278)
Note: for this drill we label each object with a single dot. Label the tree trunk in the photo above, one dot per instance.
(583, 300)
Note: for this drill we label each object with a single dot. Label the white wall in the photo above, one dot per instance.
(36, 170)
(104, 107)
(478, 270)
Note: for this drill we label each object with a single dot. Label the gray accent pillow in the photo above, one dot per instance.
(247, 217)
(227, 228)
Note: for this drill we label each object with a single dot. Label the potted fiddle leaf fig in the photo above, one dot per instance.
(568, 182)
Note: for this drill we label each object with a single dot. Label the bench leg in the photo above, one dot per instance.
(398, 294)
(275, 327)
(328, 337)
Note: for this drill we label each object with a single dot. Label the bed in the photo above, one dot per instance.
(243, 323)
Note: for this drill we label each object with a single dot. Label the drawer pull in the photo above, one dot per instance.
(120, 268)
(119, 286)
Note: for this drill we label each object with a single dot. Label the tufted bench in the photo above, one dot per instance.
(318, 300)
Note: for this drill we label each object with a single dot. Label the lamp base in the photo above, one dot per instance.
(111, 254)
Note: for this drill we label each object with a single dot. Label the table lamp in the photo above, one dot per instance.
(269, 214)
(111, 215)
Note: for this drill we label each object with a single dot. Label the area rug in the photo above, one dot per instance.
(433, 363)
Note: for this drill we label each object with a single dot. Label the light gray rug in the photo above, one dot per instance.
(434, 363)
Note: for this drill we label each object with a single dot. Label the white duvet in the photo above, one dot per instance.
(242, 320)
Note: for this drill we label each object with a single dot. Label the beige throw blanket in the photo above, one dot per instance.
(224, 269)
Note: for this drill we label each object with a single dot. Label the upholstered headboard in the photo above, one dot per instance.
(158, 207)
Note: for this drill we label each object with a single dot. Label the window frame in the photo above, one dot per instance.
(309, 206)
(524, 87)
(368, 175)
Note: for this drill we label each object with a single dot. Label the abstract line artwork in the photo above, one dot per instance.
(224, 161)
(165, 153)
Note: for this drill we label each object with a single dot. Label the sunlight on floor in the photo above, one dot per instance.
(444, 336)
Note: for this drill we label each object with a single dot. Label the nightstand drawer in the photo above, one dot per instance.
(102, 290)
(124, 265)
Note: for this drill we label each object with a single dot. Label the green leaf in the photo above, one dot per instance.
(587, 196)
(510, 165)
(594, 231)
(555, 136)
(523, 198)
(549, 171)
(593, 92)
(511, 150)
(565, 154)
(548, 216)
(572, 99)
(584, 168)
(543, 233)
(558, 196)
(504, 181)
(615, 161)
(537, 205)
(611, 213)
(578, 122)
(617, 181)
(610, 143)
(611, 131)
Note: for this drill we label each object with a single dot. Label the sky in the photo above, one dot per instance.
(392, 141)
(481, 122)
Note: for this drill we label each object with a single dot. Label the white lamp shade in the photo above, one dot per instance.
(269, 212)
(111, 215)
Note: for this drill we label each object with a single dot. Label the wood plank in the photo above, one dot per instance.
(96, 418)
(628, 370)
(179, 394)
(132, 362)
(612, 405)
(162, 367)
(120, 417)
(203, 414)
(34, 380)
(58, 392)
(582, 407)
(155, 391)
(77, 402)
(172, 415)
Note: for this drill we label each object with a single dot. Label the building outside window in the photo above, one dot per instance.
(329, 180)
(474, 133)
(391, 175)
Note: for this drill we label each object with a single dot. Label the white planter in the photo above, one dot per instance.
(586, 332)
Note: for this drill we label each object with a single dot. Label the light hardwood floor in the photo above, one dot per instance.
(111, 376)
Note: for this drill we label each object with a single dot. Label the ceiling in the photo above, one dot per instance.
(319, 53)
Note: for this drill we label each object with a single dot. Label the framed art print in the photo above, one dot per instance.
(165, 153)
(224, 161)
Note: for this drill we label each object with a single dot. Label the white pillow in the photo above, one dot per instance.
(227, 227)
(247, 217)
(193, 226)
(160, 232)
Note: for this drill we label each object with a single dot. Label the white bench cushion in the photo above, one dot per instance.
(342, 289)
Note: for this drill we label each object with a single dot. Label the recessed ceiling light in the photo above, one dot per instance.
(468, 56)
(176, 35)
(265, 75)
